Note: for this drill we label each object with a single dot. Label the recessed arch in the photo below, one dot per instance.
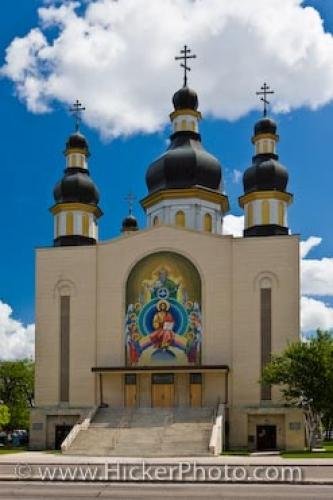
(156, 220)
(85, 225)
(180, 219)
(69, 223)
(281, 213)
(265, 212)
(250, 215)
(208, 223)
(163, 322)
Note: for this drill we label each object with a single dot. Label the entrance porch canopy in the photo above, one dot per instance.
(164, 368)
(100, 370)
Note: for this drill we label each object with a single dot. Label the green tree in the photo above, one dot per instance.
(304, 372)
(17, 390)
(4, 415)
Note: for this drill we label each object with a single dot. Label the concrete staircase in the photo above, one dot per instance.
(146, 432)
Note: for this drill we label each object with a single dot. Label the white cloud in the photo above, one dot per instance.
(307, 245)
(316, 280)
(118, 58)
(236, 176)
(315, 314)
(16, 340)
(233, 224)
(317, 276)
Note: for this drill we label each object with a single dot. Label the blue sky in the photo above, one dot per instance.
(32, 162)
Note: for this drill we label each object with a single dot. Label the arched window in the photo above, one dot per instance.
(208, 223)
(193, 125)
(180, 219)
(281, 213)
(265, 330)
(183, 126)
(69, 223)
(85, 225)
(265, 212)
(250, 215)
(57, 225)
(156, 221)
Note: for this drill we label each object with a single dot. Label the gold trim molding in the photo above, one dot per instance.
(185, 111)
(265, 195)
(61, 207)
(195, 192)
(258, 137)
(81, 151)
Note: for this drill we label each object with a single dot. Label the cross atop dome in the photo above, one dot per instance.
(185, 55)
(264, 92)
(77, 110)
(130, 200)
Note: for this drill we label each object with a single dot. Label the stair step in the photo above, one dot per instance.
(146, 432)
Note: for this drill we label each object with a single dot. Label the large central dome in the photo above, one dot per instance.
(185, 163)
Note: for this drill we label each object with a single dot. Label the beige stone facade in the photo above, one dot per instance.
(232, 270)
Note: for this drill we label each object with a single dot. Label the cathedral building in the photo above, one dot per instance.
(177, 315)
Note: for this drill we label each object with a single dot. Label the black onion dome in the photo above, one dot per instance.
(78, 141)
(185, 164)
(185, 98)
(266, 174)
(130, 223)
(265, 126)
(76, 186)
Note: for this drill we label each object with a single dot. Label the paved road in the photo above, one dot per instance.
(20, 490)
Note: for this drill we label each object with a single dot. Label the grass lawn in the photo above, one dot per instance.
(328, 453)
(4, 450)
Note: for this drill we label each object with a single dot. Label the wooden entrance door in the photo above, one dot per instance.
(163, 390)
(266, 437)
(195, 390)
(130, 390)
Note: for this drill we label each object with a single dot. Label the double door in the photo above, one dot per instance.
(162, 390)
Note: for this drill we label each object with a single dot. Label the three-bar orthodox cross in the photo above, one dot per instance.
(184, 57)
(77, 110)
(130, 199)
(265, 91)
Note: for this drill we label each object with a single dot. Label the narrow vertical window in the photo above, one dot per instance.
(180, 219)
(183, 125)
(85, 225)
(281, 213)
(208, 223)
(69, 223)
(265, 335)
(265, 212)
(64, 347)
(249, 215)
(57, 225)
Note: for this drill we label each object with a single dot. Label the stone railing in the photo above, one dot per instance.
(216, 443)
(77, 428)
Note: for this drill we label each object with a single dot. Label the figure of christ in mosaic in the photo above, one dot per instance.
(163, 325)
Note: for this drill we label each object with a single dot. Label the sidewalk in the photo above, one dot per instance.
(41, 466)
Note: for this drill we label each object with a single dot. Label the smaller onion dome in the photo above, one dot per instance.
(76, 187)
(77, 141)
(265, 126)
(265, 174)
(185, 98)
(129, 224)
